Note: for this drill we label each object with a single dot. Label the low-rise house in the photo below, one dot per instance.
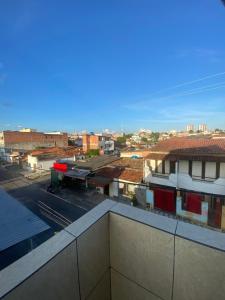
(81, 172)
(110, 175)
(9, 156)
(122, 178)
(43, 159)
(187, 177)
(117, 181)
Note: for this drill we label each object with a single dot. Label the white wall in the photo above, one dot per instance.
(113, 189)
(184, 181)
(46, 164)
(32, 162)
(215, 187)
(41, 165)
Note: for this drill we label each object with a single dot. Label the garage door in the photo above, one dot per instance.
(194, 203)
(165, 200)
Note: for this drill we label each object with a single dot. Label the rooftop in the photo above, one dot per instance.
(57, 151)
(97, 162)
(119, 252)
(131, 175)
(185, 147)
(128, 163)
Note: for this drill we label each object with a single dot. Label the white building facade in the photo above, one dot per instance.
(191, 185)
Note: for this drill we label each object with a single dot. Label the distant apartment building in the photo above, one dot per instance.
(202, 127)
(90, 142)
(190, 127)
(28, 130)
(95, 142)
(136, 138)
(29, 140)
(186, 176)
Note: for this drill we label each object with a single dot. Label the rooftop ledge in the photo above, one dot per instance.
(118, 252)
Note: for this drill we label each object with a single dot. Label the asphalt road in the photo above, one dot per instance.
(54, 210)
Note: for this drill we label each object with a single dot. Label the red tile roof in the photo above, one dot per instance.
(59, 152)
(126, 174)
(131, 175)
(191, 145)
(189, 148)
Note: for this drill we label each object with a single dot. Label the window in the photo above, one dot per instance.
(210, 170)
(183, 167)
(167, 167)
(222, 170)
(152, 165)
(159, 166)
(172, 167)
(197, 169)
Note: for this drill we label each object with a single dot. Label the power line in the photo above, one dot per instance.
(189, 83)
(194, 91)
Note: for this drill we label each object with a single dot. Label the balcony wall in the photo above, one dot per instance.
(184, 181)
(212, 187)
(119, 252)
(74, 264)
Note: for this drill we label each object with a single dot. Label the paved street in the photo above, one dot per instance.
(53, 209)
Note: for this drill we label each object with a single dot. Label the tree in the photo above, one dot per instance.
(71, 143)
(144, 139)
(92, 152)
(155, 137)
(121, 139)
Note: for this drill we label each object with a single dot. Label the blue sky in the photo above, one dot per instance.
(91, 65)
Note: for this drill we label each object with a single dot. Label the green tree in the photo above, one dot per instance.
(144, 139)
(121, 139)
(92, 152)
(218, 130)
(155, 137)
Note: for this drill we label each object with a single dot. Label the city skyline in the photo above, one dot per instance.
(121, 65)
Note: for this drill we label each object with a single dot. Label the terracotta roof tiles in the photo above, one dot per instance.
(191, 146)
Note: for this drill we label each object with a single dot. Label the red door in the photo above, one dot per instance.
(218, 212)
(165, 200)
(194, 203)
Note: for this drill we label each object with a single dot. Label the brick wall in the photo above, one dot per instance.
(31, 140)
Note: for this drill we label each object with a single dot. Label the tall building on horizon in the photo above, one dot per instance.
(202, 127)
(190, 127)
